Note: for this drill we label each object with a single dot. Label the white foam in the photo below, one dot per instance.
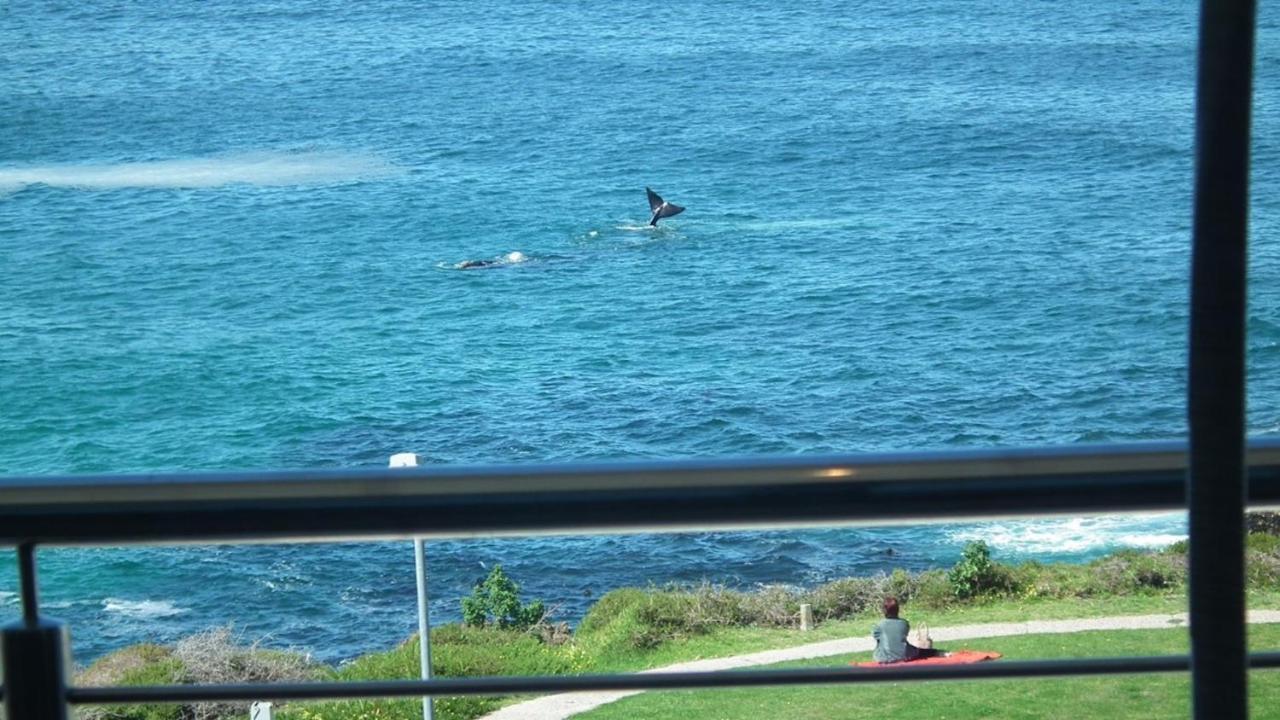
(142, 609)
(256, 168)
(401, 460)
(8, 598)
(1150, 540)
(515, 257)
(1077, 535)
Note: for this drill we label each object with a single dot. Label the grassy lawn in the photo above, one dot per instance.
(632, 629)
(536, 658)
(1137, 696)
(736, 641)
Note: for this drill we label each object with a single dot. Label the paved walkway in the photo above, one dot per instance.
(558, 707)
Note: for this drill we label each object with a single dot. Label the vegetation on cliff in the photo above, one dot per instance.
(633, 628)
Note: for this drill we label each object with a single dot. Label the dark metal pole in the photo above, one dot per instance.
(27, 581)
(34, 654)
(1216, 392)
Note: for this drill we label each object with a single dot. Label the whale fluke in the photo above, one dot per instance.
(660, 208)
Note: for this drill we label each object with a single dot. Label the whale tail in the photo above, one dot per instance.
(660, 208)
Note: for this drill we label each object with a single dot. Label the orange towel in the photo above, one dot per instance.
(959, 657)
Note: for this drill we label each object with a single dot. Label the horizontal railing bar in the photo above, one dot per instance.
(566, 498)
(641, 681)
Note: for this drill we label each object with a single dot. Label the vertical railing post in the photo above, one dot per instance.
(1216, 378)
(407, 460)
(35, 654)
(424, 623)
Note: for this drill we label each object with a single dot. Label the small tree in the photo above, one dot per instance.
(976, 573)
(496, 600)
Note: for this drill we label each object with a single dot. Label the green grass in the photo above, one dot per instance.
(1130, 696)
(469, 651)
(633, 629)
(738, 640)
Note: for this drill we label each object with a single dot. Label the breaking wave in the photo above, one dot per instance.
(142, 609)
(1074, 536)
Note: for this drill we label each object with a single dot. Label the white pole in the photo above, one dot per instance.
(424, 623)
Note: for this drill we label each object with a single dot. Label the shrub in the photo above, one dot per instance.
(631, 619)
(1262, 570)
(496, 600)
(976, 574)
(130, 667)
(215, 657)
(614, 628)
(674, 613)
(463, 651)
(900, 584)
(772, 606)
(712, 605)
(1263, 543)
(457, 651)
(1262, 560)
(933, 590)
(845, 598)
(1133, 572)
(208, 657)
(119, 667)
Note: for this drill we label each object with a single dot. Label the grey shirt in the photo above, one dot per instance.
(891, 640)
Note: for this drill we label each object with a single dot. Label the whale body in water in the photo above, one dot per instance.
(510, 258)
(660, 208)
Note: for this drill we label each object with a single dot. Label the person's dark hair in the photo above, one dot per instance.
(891, 607)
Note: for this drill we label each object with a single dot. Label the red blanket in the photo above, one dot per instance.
(959, 657)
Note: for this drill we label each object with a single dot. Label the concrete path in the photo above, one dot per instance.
(558, 707)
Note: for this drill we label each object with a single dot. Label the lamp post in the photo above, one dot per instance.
(420, 570)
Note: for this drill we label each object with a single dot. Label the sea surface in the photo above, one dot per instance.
(230, 238)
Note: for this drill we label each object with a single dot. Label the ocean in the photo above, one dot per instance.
(231, 237)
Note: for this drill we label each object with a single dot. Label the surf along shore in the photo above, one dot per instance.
(634, 629)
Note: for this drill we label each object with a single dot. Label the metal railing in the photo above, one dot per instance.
(448, 502)
(521, 499)
(1208, 477)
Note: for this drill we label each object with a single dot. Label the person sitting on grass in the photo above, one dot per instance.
(891, 638)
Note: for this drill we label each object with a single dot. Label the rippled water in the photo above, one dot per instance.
(229, 238)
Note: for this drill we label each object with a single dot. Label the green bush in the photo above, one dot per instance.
(844, 598)
(1128, 572)
(496, 600)
(208, 657)
(933, 590)
(612, 628)
(901, 585)
(132, 667)
(1263, 543)
(1262, 570)
(976, 574)
(1262, 560)
(674, 613)
(772, 606)
(462, 651)
(632, 619)
(456, 651)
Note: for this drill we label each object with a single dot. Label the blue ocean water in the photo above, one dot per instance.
(229, 238)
